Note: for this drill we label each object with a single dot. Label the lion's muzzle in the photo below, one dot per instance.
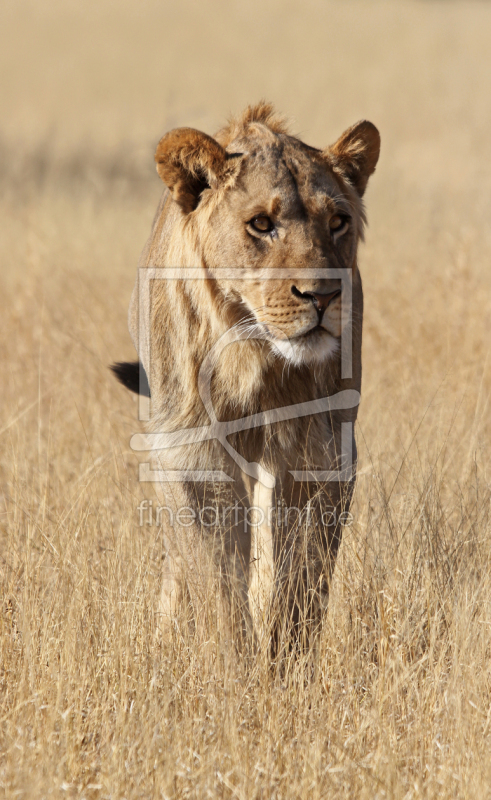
(320, 301)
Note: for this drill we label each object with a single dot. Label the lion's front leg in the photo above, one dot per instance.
(206, 569)
(307, 531)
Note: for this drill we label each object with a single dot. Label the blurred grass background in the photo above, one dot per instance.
(90, 705)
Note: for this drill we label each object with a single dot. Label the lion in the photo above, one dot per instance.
(247, 318)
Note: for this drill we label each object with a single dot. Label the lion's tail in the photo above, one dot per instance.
(133, 376)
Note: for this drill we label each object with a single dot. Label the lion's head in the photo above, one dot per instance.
(257, 199)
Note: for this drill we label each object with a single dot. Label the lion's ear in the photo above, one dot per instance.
(355, 154)
(189, 162)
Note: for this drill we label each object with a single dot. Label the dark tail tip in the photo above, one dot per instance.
(133, 376)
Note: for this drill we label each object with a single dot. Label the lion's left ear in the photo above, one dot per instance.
(355, 154)
(189, 162)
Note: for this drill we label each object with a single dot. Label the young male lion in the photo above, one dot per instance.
(247, 317)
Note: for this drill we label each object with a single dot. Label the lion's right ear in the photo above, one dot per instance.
(355, 154)
(189, 162)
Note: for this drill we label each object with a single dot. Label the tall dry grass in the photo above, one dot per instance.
(91, 705)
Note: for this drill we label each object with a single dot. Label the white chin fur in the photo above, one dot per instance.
(307, 350)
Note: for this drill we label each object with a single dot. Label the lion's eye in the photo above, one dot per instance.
(337, 222)
(262, 223)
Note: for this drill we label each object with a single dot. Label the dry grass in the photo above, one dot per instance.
(90, 705)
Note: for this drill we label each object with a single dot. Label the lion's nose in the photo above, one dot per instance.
(320, 301)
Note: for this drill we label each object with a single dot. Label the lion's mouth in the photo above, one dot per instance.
(316, 330)
(313, 334)
(310, 332)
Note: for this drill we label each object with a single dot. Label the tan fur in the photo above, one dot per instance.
(216, 187)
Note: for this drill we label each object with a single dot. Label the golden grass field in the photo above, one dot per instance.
(91, 704)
